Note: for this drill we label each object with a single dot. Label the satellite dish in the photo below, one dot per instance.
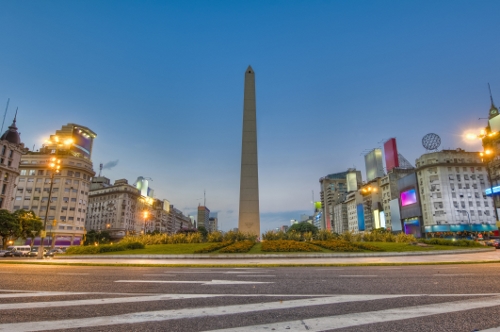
(431, 141)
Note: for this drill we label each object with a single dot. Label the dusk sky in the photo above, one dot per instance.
(161, 83)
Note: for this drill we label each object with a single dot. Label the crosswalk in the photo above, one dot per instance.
(227, 308)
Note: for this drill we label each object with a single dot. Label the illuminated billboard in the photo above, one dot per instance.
(391, 154)
(82, 142)
(408, 197)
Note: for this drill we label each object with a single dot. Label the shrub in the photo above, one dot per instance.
(194, 238)
(213, 247)
(324, 235)
(134, 245)
(303, 227)
(215, 237)
(91, 250)
(239, 236)
(446, 242)
(293, 236)
(365, 246)
(272, 235)
(307, 236)
(405, 238)
(242, 246)
(337, 245)
(287, 246)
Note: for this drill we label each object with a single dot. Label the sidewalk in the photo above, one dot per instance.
(433, 257)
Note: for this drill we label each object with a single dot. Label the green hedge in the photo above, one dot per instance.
(90, 250)
(457, 243)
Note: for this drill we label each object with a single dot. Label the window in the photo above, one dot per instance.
(70, 173)
(77, 174)
(11, 153)
(18, 198)
(40, 172)
(23, 172)
(73, 199)
(6, 176)
(32, 172)
(4, 187)
(4, 148)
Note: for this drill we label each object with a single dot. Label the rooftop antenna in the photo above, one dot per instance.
(5, 114)
(100, 169)
(489, 88)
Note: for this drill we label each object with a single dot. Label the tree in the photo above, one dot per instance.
(203, 231)
(9, 227)
(29, 222)
(303, 227)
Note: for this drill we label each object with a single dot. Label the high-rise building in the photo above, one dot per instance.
(374, 166)
(11, 150)
(334, 188)
(203, 217)
(213, 222)
(66, 212)
(249, 215)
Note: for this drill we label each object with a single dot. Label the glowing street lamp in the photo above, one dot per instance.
(145, 215)
(54, 167)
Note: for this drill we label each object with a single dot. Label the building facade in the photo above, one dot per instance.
(11, 150)
(452, 194)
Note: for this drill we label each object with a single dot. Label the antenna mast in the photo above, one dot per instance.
(489, 88)
(100, 169)
(7, 107)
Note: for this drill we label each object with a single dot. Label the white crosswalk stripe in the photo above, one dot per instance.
(473, 301)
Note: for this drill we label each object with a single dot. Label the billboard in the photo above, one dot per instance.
(361, 217)
(82, 142)
(395, 215)
(408, 197)
(391, 154)
(373, 164)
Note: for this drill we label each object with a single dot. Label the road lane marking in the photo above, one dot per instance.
(37, 294)
(357, 275)
(371, 317)
(164, 315)
(206, 282)
(452, 274)
(257, 276)
(148, 298)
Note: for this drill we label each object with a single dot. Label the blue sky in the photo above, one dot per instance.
(161, 83)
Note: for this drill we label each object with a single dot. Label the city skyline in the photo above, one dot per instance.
(161, 86)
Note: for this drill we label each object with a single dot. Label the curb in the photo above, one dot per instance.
(282, 256)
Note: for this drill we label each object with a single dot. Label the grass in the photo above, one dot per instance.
(190, 248)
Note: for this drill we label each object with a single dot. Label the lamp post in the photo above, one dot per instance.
(55, 167)
(145, 214)
(488, 154)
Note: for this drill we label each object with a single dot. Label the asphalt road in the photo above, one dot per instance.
(403, 298)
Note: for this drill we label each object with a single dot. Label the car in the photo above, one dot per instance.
(2, 252)
(8, 253)
(493, 243)
(34, 252)
(52, 252)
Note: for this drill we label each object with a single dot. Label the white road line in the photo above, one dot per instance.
(31, 305)
(356, 276)
(207, 282)
(373, 317)
(257, 275)
(164, 315)
(452, 274)
(494, 329)
(36, 294)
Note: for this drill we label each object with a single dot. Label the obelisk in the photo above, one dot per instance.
(249, 219)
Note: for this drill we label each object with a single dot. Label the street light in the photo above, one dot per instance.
(55, 167)
(145, 214)
(488, 154)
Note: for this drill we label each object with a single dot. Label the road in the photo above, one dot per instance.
(403, 298)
